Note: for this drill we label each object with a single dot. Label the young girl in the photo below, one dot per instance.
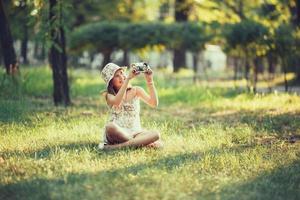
(123, 128)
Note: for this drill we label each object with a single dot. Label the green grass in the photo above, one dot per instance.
(219, 143)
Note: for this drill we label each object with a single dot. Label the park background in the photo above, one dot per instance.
(227, 74)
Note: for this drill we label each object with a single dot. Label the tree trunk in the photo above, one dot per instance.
(35, 49)
(284, 63)
(125, 61)
(178, 59)
(195, 66)
(235, 65)
(295, 20)
(9, 55)
(58, 58)
(271, 70)
(106, 55)
(24, 44)
(256, 70)
(236, 62)
(182, 8)
(247, 70)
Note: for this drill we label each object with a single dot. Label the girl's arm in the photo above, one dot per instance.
(152, 99)
(116, 100)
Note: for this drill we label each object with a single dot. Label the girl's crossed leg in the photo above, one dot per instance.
(119, 138)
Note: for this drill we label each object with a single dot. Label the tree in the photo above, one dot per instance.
(99, 37)
(57, 55)
(284, 42)
(182, 8)
(195, 37)
(19, 14)
(295, 18)
(9, 55)
(247, 36)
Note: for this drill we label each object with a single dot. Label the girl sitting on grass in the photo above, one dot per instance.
(123, 128)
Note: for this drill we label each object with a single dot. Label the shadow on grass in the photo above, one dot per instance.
(281, 183)
(260, 121)
(291, 83)
(101, 184)
(48, 151)
(282, 124)
(25, 109)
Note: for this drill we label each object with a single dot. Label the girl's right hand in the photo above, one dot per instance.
(133, 73)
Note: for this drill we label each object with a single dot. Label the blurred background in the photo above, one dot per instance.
(254, 44)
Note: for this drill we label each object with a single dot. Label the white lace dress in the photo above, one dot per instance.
(127, 116)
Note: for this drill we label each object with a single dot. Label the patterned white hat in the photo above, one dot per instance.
(109, 71)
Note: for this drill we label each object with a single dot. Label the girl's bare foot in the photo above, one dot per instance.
(156, 145)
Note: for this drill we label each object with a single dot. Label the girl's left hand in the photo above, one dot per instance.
(149, 75)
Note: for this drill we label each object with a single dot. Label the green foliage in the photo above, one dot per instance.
(284, 40)
(113, 35)
(245, 33)
(173, 35)
(96, 36)
(136, 36)
(195, 36)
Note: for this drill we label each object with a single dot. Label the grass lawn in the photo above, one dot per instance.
(220, 143)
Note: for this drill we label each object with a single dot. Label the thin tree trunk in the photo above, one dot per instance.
(247, 69)
(295, 12)
(284, 62)
(106, 55)
(271, 70)
(24, 41)
(58, 58)
(182, 8)
(9, 55)
(35, 49)
(195, 66)
(24, 44)
(256, 69)
(298, 25)
(125, 61)
(178, 59)
(235, 65)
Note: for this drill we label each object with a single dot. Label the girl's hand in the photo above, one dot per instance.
(133, 73)
(149, 76)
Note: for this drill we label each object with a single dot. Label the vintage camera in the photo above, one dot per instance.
(140, 67)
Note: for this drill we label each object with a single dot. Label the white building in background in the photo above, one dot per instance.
(214, 57)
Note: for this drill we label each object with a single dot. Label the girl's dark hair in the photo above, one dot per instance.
(111, 89)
